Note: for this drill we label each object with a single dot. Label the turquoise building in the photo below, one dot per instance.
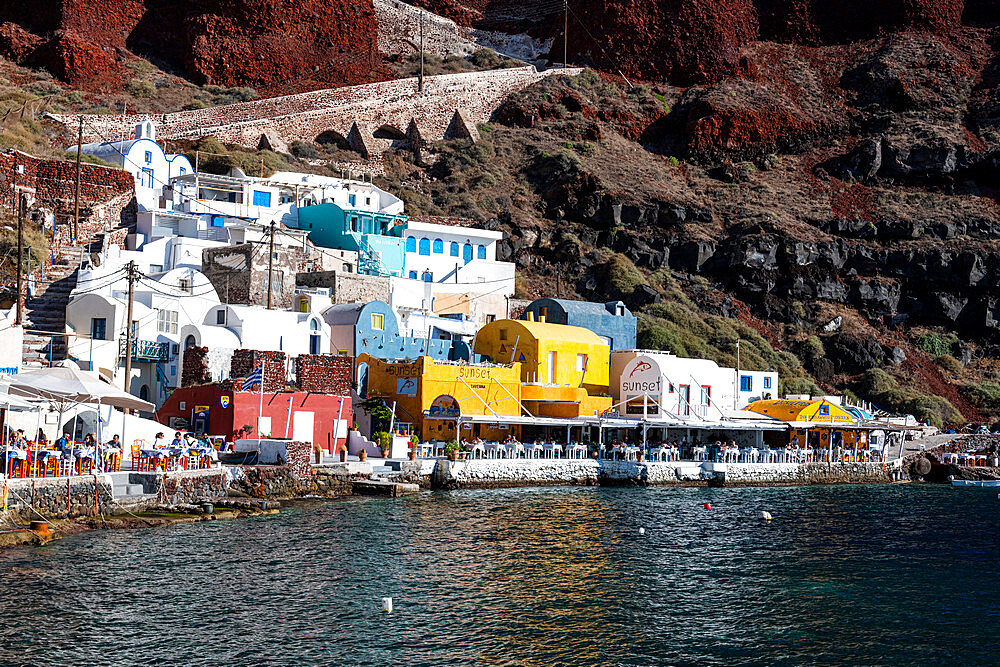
(377, 237)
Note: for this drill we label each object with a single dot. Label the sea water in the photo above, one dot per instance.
(885, 575)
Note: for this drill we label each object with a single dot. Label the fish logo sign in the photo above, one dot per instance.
(640, 367)
(406, 386)
(224, 401)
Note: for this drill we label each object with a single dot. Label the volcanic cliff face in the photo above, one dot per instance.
(272, 45)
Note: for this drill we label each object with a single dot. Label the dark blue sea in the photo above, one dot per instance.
(847, 575)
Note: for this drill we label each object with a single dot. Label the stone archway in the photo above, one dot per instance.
(333, 138)
(389, 133)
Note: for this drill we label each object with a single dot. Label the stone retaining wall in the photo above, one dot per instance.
(54, 498)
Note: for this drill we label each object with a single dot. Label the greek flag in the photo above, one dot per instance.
(254, 378)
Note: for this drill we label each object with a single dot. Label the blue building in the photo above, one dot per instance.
(612, 321)
(377, 236)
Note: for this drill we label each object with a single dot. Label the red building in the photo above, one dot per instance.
(298, 415)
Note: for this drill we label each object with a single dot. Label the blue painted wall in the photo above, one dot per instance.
(598, 317)
(331, 226)
(388, 344)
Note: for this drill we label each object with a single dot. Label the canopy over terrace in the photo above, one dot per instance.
(63, 384)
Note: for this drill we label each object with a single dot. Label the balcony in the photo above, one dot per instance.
(145, 350)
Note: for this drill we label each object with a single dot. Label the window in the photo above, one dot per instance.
(347, 268)
(467, 252)
(368, 201)
(503, 334)
(220, 316)
(454, 249)
(427, 277)
(824, 410)
(185, 285)
(411, 244)
(581, 363)
(351, 199)
(425, 247)
(746, 383)
(183, 170)
(155, 268)
(218, 221)
(481, 252)
(413, 275)
(438, 247)
(278, 284)
(378, 321)
(491, 318)
(149, 157)
(98, 328)
(166, 321)
(706, 395)
(767, 382)
(148, 180)
(354, 223)
(188, 342)
(261, 198)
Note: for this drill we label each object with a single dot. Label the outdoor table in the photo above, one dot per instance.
(553, 450)
(534, 450)
(514, 450)
(700, 453)
(477, 447)
(632, 453)
(573, 450)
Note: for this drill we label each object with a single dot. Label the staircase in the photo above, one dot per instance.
(45, 311)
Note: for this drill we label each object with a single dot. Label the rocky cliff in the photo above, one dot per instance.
(295, 44)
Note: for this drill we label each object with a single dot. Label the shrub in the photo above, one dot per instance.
(622, 275)
(304, 150)
(812, 348)
(933, 344)
(935, 410)
(196, 104)
(486, 58)
(948, 363)
(800, 385)
(657, 337)
(984, 395)
(876, 382)
(673, 162)
(140, 88)
(586, 148)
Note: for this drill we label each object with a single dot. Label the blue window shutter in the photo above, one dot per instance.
(454, 249)
(413, 275)
(425, 247)
(411, 244)
(481, 252)
(467, 252)
(261, 198)
(438, 246)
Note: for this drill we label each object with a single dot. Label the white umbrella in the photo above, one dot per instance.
(70, 384)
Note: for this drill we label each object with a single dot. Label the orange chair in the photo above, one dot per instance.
(137, 447)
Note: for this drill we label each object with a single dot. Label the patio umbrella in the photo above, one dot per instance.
(61, 384)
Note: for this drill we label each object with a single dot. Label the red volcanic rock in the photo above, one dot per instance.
(80, 62)
(16, 43)
(685, 41)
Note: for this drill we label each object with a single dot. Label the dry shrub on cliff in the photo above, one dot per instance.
(35, 243)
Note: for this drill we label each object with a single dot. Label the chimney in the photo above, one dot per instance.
(531, 316)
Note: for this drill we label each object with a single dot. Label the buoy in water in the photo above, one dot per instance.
(642, 531)
(708, 506)
(387, 605)
(765, 515)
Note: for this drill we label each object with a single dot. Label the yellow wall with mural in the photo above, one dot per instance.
(428, 391)
(549, 353)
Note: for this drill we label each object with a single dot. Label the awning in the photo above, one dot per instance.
(521, 419)
(69, 384)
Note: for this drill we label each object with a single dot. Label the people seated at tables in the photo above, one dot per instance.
(62, 442)
(159, 441)
(41, 440)
(178, 441)
(89, 440)
(114, 441)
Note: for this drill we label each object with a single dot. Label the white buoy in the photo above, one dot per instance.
(387, 605)
(642, 531)
(765, 515)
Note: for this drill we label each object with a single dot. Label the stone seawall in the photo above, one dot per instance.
(26, 500)
(487, 473)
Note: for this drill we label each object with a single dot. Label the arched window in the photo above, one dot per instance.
(438, 246)
(144, 393)
(411, 244)
(454, 249)
(425, 247)
(481, 252)
(189, 342)
(413, 275)
(313, 325)
(428, 277)
(467, 252)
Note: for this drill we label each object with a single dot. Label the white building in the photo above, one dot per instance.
(11, 342)
(660, 385)
(141, 156)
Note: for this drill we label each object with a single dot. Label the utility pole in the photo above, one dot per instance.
(558, 281)
(130, 273)
(270, 266)
(420, 77)
(22, 203)
(565, 32)
(76, 199)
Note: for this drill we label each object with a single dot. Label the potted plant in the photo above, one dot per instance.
(451, 450)
(343, 453)
(362, 454)
(384, 441)
(414, 443)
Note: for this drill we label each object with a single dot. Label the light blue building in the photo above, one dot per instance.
(612, 321)
(374, 233)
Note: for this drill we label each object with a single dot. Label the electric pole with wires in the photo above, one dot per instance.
(270, 266)
(132, 275)
(76, 198)
(565, 33)
(21, 205)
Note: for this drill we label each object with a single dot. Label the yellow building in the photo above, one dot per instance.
(812, 423)
(436, 395)
(564, 369)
